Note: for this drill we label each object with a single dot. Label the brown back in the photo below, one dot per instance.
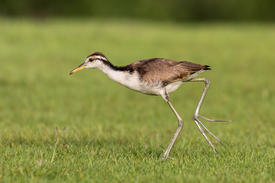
(167, 71)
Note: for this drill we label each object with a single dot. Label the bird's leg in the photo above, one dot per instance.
(180, 125)
(196, 114)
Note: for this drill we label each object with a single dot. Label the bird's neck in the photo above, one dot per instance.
(115, 73)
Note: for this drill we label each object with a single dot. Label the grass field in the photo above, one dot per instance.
(116, 135)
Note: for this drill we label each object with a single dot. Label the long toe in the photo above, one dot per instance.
(214, 120)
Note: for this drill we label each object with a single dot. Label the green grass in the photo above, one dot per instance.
(116, 135)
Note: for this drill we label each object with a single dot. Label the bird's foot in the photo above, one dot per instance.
(202, 127)
(164, 157)
(214, 120)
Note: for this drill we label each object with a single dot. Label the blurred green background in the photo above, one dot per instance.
(170, 10)
(113, 134)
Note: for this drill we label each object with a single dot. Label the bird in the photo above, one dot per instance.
(157, 76)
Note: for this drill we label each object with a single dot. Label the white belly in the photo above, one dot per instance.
(133, 82)
(173, 86)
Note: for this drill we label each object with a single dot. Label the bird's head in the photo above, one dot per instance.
(92, 61)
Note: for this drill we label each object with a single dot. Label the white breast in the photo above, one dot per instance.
(133, 82)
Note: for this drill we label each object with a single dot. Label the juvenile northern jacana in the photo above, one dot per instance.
(156, 76)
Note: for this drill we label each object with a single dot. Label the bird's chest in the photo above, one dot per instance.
(134, 82)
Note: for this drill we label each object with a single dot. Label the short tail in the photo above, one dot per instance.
(206, 67)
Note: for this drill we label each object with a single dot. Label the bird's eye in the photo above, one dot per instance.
(91, 60)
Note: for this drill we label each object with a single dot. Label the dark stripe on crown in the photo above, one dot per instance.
(109, 64)
(97, 54)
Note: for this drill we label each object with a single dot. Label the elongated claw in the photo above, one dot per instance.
(199, 124)
(214, 120)
(209, 131)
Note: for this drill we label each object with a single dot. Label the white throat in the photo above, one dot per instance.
(118, 76)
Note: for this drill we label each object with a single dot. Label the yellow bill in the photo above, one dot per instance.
(78, 68)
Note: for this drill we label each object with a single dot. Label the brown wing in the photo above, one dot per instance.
(167, 71)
